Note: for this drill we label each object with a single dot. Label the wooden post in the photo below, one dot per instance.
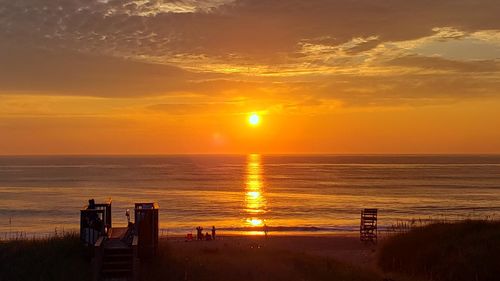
(147, 227)
(135, 257)
(97, 259)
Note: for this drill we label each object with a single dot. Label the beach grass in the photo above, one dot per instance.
(460, 251)
(62, 258)
(54, 258)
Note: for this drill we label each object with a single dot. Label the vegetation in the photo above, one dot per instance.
(55, 258)
(467, 251)
(63, 258)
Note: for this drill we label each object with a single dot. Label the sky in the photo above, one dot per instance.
(175, 77)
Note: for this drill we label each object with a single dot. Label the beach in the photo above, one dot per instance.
(344, 248)
(310, 206)
(240, 140)
(422, 253)
(284, 257)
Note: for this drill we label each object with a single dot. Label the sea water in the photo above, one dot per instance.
(288, 193)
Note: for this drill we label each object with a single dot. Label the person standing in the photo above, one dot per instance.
(213, 232)
(197, 233)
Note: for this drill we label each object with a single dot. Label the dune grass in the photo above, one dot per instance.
(463, 251)
(55, 258)
(62, 258)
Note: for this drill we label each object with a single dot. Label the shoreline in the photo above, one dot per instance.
(17, 235)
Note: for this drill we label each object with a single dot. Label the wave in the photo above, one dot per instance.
(291, 229)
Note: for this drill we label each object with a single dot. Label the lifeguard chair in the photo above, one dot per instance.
(95, 221)
(146, 226)
(368, 226)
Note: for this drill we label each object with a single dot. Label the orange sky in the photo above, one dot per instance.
(161, 77)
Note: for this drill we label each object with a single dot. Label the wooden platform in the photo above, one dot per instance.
(117, 232)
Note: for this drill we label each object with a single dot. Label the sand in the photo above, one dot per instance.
(344, 248)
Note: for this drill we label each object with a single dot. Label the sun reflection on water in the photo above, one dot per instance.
(254, 199)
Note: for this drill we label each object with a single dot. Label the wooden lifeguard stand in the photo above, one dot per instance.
(368, 226)
(146, 226)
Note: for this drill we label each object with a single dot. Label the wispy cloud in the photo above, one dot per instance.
(390, 50)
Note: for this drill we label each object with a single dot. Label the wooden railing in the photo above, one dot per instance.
(135, 256)
(90, 230)
(95, 222)
(146, 226)
(97, 258)
(106, 207)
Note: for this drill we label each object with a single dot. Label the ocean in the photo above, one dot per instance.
(238, 194)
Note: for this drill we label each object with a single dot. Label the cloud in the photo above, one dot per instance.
(256, 29)
(197, 108)
(407, 89)
(438, 63)
(355, 51)
(66, 73)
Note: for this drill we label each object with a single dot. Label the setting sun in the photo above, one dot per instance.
(254, 119)
(255, 222)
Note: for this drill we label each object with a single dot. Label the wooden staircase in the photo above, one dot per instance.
(115, 260)
(114, 251)
(117, 263)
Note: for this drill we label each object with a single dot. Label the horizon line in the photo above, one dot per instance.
(242, 154)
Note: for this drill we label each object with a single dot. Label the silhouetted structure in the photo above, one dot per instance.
(115, 251)
(146, 226)
(368, 226)
(95, 221)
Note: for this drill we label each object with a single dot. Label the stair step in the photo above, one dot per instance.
(117, 263)
(125, 264)
(117, 251)
(117, 255)
(116, 272)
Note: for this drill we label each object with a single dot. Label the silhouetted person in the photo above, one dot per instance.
(199, 233)
(266, 230)
(91, 204)
(127, 214)
(213, 232)
(208, 237)
(92, 216)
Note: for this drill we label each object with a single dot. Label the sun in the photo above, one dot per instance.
(254, 222)
(254, 119)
